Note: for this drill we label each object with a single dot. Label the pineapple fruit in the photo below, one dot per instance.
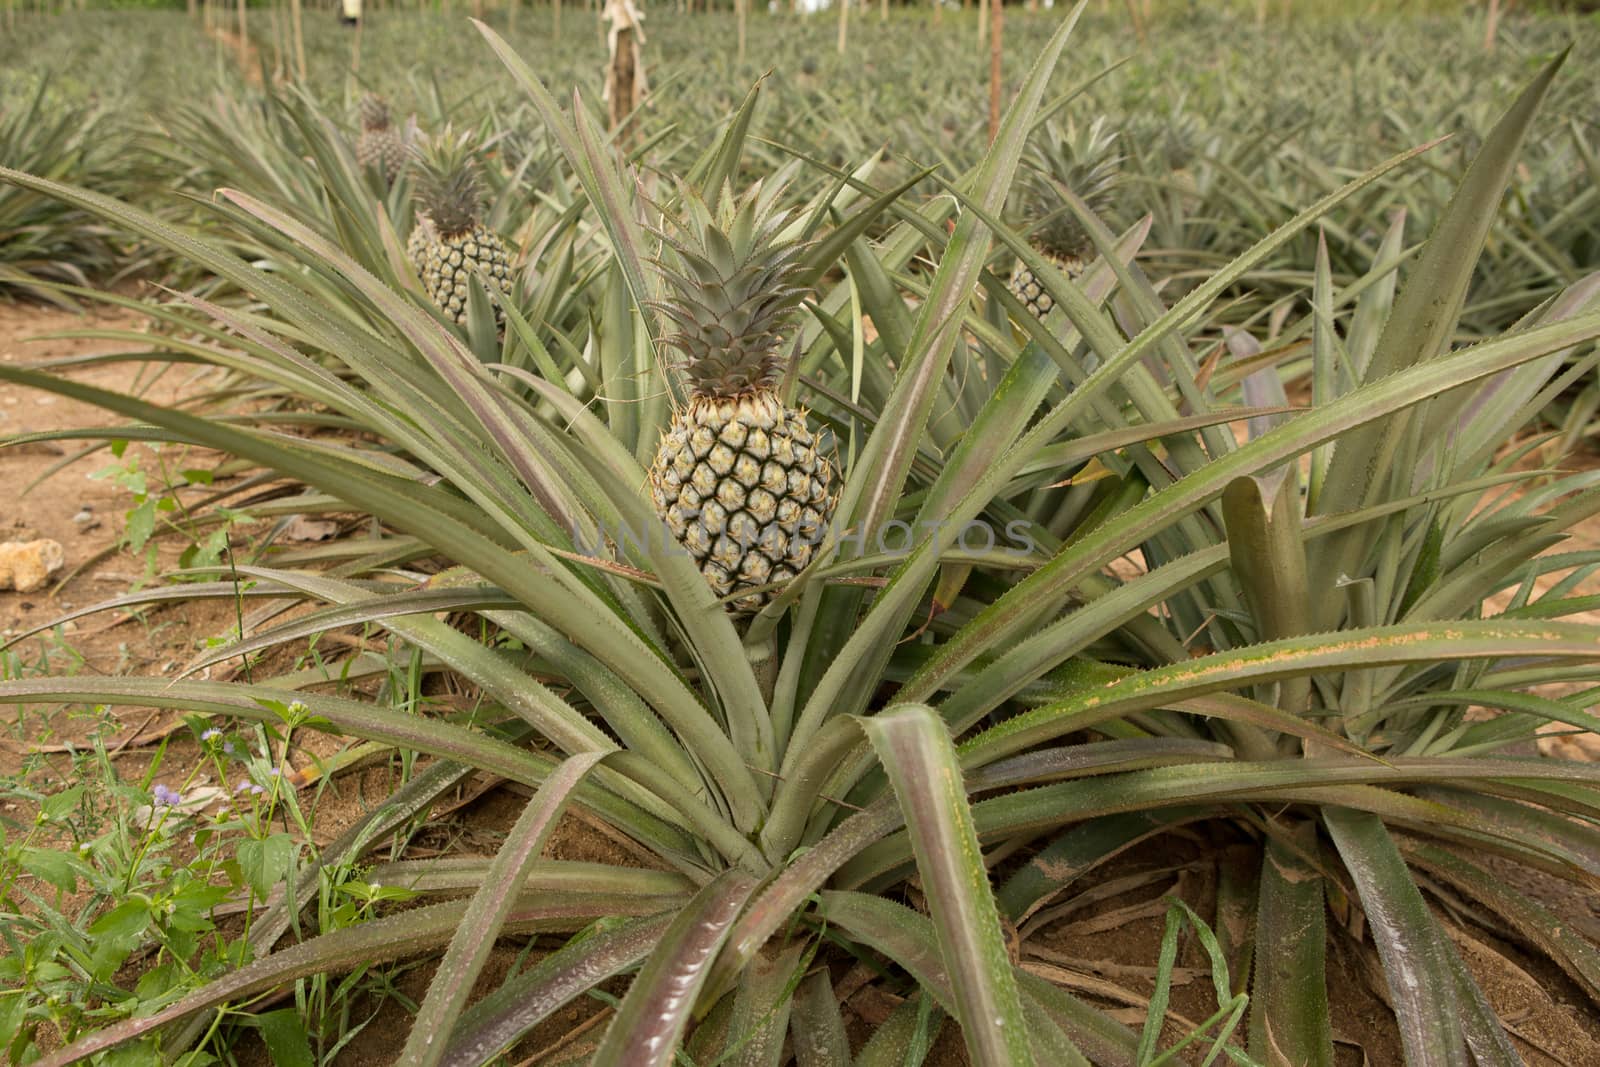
(1089, 165)
(380, 146)
(739, 478)
(450, 245)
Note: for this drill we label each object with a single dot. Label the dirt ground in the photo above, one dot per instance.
(1102, 943)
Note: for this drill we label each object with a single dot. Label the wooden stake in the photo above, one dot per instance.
(276, 23)
(297, 31)
(1138, 21)
(626, 83)
(997, 14)
(355, 46)
(844, 22)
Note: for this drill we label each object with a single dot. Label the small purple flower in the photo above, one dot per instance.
(227, 748)
(211, 735)
(165, 797)
(275, 772)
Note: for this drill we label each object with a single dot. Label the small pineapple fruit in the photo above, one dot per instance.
(1088, 164)
(380, 145)
(739, 478)
(450, 244)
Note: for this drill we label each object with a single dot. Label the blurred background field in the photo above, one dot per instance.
(1222, 137)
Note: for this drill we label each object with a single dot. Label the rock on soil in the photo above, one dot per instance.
(27, 565)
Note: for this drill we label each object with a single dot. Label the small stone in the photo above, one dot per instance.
(83, 517)
(301, 528)
(26, 566)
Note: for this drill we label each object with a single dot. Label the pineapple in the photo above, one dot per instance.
(450, 244)
(739, 477)
(1090, 167)
(380, 145)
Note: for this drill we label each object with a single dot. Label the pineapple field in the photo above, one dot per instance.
(980, 533)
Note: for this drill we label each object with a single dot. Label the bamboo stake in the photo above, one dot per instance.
(983, 22)
(844, 22)
(1491, 27)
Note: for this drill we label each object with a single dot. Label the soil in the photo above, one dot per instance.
(1107, 946)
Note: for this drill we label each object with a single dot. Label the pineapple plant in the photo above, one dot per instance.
(380, 146)
(451, 244)
(739, 477)
(1088, 164)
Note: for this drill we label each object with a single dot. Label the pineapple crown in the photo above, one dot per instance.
(449, 181)
(1083, 161)
(1182, 140)
(374, 112)
(731, 275)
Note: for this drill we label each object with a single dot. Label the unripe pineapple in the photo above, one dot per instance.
(451, 244)
(739, 478)
(1088, 165)
(380, 145)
